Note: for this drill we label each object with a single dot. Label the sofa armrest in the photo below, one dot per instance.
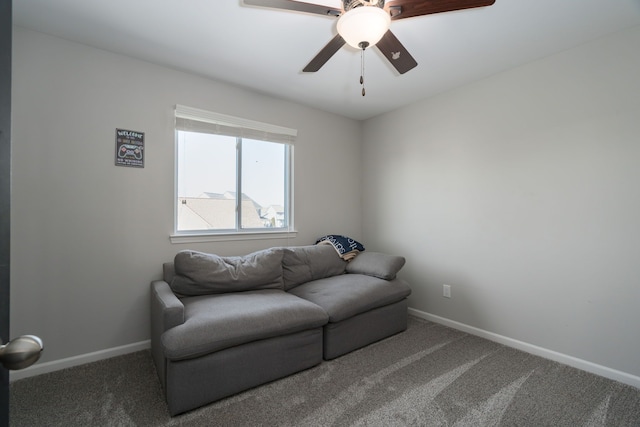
(167, 310)
(376, 264)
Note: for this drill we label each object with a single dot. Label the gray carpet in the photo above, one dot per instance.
(429, 375)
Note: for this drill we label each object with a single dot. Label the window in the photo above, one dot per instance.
(232, 175)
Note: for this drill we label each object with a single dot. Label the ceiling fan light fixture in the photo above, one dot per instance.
(363, 25)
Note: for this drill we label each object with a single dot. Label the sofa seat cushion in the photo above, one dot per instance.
(347, 295)
(219, 321)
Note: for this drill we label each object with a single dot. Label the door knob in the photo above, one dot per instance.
(21, 352)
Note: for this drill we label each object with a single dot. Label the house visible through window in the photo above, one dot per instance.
(232, 175)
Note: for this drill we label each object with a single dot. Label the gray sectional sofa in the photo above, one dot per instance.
(222, 325)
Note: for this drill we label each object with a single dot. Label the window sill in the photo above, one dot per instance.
(227, 237)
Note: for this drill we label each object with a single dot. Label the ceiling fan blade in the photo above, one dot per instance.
(396, 53)
(401, 9)
(296, 5)
(325, 54)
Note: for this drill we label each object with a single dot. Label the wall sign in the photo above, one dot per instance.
(129, 148)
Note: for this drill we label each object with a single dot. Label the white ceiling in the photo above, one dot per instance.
(265, 49)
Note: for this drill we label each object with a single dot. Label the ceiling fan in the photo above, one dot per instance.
(365, 23)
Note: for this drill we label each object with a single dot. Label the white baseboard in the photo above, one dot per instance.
(584, 365)
(56, 365)
(594, 368)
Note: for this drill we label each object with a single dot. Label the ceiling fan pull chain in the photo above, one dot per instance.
(362, 70)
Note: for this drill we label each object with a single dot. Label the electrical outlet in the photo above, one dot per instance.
(446, 291)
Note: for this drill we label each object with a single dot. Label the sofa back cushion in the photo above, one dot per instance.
(301, 264)
(168, 271)
(198, 273)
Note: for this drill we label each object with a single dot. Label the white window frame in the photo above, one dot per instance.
(222, 124)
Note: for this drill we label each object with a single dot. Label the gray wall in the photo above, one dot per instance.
(521, 191)
(87, 236)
